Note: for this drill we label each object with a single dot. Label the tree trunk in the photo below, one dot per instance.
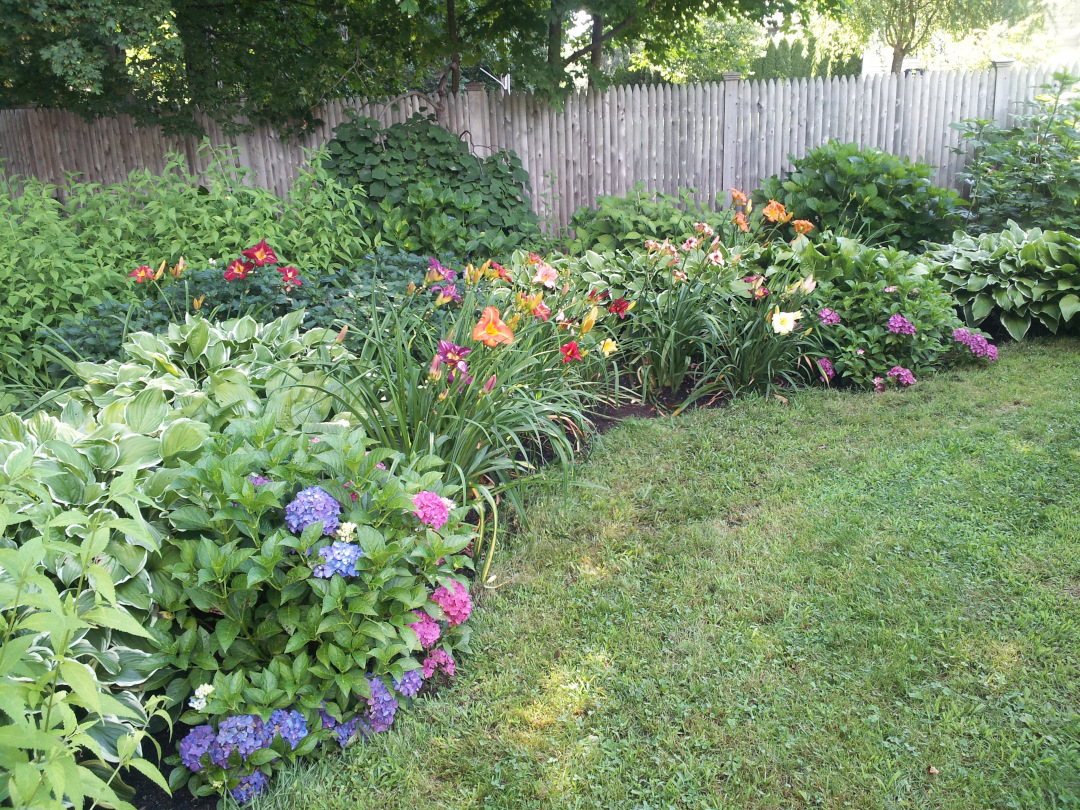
(455, 57)
(898, 54)
(597, 46)
(555, 36)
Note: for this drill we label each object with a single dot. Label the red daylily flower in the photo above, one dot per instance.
(570, 352)
(260, 254)
(290, 275)
(238, 270)
(620, 306)
(141, 274)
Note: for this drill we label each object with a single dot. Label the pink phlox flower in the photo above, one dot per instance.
(828, 317)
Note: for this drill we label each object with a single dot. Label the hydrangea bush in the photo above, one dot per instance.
(317, 583)
(884, 317)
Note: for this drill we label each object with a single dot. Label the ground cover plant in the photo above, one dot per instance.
(1028, 173)
(848, 600)
(1016, 278)
(868, 194)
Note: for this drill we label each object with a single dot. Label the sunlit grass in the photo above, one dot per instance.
(776, 606)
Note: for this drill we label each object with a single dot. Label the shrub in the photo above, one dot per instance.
(623, 223)
(429, 193)
(294, 626)
(880, 310)
(1030, 172)
(865, 193)
(58, 259)
(1017, 276)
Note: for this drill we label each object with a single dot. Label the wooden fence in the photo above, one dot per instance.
(708, 137)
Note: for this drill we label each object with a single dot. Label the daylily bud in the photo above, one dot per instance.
(490, 384)
(590, 320)
(342, 333)
(411, 288)
(179, 268)
(160, 271)
(197, 303)
(435, 369)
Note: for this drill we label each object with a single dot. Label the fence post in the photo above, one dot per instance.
(1001, 91)
(730, 132)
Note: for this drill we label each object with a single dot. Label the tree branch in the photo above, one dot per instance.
(614, 31)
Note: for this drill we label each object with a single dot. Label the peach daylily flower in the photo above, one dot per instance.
(491, 331)
(776, 212)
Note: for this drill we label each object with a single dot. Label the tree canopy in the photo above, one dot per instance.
(246, 62)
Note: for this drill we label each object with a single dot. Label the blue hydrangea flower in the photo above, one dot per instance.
(310, 506)
(250, 786)
(343, 732)
(194, 745)
(243, 732)
(339, 558)
(409, 683)
(291, 725)
(381, 705)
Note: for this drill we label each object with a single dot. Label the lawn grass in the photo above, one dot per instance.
(776, 606)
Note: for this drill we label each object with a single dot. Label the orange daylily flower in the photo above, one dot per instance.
(776, 212)
(738, 197)
(491, 331)
(802, 226)
(740, 220)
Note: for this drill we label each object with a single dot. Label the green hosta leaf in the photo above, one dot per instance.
(1069, 305)
(980, 308)
(147, 411)
(182, 437)
(1016, 324)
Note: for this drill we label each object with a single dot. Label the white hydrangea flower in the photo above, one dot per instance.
(345, 531)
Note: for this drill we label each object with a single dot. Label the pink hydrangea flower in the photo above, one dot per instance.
(879, 383)
(828, 317)
(902, 376)
(456, 604)
(893, 288)
(431, 509)
(899, 325)
(438, 659)
(426, 629)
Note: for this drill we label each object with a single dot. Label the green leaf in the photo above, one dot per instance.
(1069, 305)
(981, 306)
(1016, 324)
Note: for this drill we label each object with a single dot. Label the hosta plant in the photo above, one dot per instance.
(76, 543)
(1017, 276)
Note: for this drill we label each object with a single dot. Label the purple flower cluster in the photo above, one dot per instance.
(343, 732)
(409, 683)
(310, 506)
(194, 745)
(979, 345)
(828, 317)
(902, 376)
(258, 480)
(382, 706)
(339, 558)
(244, 733)
(290, 725)
(900, 325)
(827, 370)
(250, 786)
